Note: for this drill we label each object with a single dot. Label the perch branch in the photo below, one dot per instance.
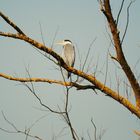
(91, 78)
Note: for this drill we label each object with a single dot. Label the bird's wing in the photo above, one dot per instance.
(64, 56)
(69, 54)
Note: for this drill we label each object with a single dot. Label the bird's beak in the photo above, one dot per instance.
(60, 43)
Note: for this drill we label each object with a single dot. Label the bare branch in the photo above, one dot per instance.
(40, 101)
(91, 78)
(106, 68)
(11, 124)
(120, 55)
(87, 55)
(127, 22)
(95, 129)
(66, 115)
(32, 90)
(102, 132)
(120, 12)
(31, 79)
(11, 23)
(68, 118)
(41, 32)
(47, 56)
(16, 130)
(55, 34)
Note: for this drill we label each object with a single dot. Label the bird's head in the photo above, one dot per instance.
(64, 42)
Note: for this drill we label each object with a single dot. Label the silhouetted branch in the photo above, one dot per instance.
(87, 55)
(120, 12)
(40, 101)
(46, 55)
(97, 135)
(127, 22)
(95, 129)
(66, 115)
(67, 118)
(16, 130)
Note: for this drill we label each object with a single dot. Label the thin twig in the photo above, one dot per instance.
(89, 135)
(16, 130)
(80, 60)
(66, 115)
(118, 16)
(32, 90)
(95, 129)
(85, 61)
(40, 101)
(41, 32)
(106, 72)
(127, 22)
(10, 123)
(87, 55)
(44, 54)
(55, 34)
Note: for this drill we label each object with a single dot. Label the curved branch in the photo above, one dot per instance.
(127, 22)
(120, 12)
(91, 78)
(120, 55)
(11, 23)
(71, 84)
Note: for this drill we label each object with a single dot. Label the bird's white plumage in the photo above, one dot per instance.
(68, 53)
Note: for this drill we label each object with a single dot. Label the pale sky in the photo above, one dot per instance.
(80, 21)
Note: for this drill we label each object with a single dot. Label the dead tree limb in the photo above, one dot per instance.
(91, 78)
(106, 9)
(16, 130)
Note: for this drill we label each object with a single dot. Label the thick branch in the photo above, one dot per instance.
(120, 55)
(38, 45)
(100, 86)
(11, 23)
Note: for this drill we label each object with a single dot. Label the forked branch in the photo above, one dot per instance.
(63, 83)
(16, 130)
(106, 9)
(91, 78)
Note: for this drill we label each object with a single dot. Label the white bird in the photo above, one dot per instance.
(68, 53)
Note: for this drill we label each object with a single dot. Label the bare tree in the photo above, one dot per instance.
(94, 84)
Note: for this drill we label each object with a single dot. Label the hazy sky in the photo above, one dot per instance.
(80, 21)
